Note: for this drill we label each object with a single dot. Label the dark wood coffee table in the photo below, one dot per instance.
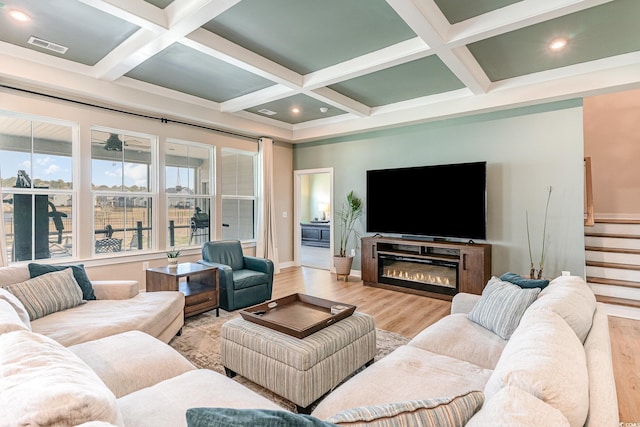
(198, 283)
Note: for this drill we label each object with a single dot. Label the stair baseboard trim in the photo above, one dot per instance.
(605, 217)
(622, 311)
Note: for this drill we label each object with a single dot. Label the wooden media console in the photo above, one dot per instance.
(436, 269)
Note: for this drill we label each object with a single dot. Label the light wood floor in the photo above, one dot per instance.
(408, 314)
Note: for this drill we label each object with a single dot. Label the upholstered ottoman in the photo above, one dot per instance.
(300, 370)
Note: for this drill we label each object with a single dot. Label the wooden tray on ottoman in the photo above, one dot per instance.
(298, 315)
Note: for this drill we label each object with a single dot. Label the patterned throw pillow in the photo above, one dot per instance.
(439, 412)
(48, 293)
(79, 274)
(501, 306)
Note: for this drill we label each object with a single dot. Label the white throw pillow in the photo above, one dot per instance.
(48, 293)
(573, 300)
(15, 303)
(501, 306)
(546, 359)
(43, 383)
(512, 406)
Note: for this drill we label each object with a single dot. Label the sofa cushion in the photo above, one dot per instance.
(524, 282)
(512, 406)
(572, 299)
(44, 384)
(436, 412)
(546, 359)
(459, 337)
(408, 373)
(131, 361)
(48, 293)
(17, 306)
(79, 274)
(501, 306)
(150, 312)
(231, 417)
(13, 274)
(166, 403)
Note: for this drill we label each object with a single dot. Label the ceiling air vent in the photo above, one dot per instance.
(267, 112)
(47, 45)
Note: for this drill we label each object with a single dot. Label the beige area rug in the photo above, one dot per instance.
(200, 344)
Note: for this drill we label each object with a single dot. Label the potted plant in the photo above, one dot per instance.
(172, 257)
(347, 218)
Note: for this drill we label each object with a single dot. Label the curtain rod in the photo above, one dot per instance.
(145, 116)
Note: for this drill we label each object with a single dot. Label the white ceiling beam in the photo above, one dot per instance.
(259, 97)
(137, 12)
(399, 53)
(514, 17)
(221, 48)
(183, 18)
(426, 20)
(340, 101)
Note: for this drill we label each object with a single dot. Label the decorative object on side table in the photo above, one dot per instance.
(532, 273)
(348, 217)
(172, 257)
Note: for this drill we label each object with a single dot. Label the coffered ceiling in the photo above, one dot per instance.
(346, 65)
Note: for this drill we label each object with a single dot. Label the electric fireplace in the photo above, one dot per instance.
(421, 274)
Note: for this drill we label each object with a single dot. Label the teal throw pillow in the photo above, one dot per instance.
(523, 282)
(79, 274)
(229, 417)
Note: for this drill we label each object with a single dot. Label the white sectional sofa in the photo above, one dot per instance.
(555, 369)
(118, 307)
(104, 362)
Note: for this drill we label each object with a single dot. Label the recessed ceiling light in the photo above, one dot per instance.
(295, 110)
(558, 43)
(323, 109)
(19, 15)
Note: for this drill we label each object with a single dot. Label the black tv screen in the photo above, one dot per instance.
(447, 201)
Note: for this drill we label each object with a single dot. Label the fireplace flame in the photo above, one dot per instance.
(417, 277)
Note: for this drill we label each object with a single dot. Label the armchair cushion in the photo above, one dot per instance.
(248, 278)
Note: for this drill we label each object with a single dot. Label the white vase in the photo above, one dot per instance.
(173, 262)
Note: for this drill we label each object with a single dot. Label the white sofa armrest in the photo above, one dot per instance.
(463, 302)
(115, 289)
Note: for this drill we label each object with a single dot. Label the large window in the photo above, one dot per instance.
(122, 184)
(238, 183)
(36, 172)
(189, 187)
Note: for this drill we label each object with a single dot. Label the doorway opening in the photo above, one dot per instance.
(313, 218)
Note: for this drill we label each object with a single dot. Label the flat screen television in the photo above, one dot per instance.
(441, 201)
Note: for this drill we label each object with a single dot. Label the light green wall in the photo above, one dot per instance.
(526, 150)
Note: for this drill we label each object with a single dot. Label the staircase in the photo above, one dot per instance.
(612, 254)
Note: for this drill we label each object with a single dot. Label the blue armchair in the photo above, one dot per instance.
(244, 280)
